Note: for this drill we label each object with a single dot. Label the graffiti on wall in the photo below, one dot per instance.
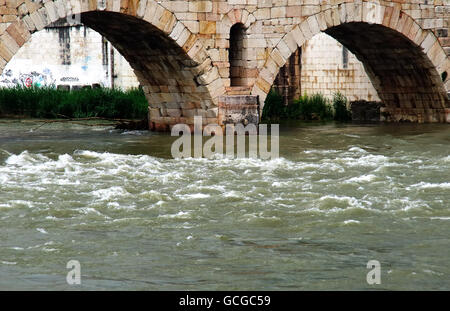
(11, 78)
(14, 76)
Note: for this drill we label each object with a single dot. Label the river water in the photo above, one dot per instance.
(338, 196)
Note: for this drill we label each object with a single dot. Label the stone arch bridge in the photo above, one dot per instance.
(218, 58)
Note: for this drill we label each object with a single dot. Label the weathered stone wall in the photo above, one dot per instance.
(68, 56)
(324, 71)
(179, 49)
(366, 111)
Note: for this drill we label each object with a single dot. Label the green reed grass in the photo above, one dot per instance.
(306, 107)
(46, 102)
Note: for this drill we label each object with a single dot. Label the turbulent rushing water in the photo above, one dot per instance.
(338, 197)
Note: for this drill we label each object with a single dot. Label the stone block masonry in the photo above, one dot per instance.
(180, 50)
(238, 109)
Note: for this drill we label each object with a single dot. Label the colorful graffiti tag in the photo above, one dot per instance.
(9, 78)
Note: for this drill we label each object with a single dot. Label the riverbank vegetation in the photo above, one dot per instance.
(49, 103)
(306, 107)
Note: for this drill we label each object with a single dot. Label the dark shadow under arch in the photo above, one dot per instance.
(400, 71)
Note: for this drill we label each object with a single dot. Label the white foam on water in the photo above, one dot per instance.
(357, 149)
(113, 204)
(126, 219)
(5, 205)
(18, 203)
(249, 163)
(426, 185)
(194, 196)
(317, 151)
(280, 184)
(351, 221)
(104, 176)
(21, 159)
(364, 161)
(3, 179)
(90, 210)
(362, 178)
(16, 248)
(352, 202)
(407, 204)
(180, 214)
(87, 154)
(108, 194)
(64, 160)
(8, 262)
(41, 230)
(160, 203)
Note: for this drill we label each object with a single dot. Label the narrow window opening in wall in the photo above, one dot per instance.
(235, 55)
(344, 57)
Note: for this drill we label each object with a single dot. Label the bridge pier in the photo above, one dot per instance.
(232, 109)
(239, 109)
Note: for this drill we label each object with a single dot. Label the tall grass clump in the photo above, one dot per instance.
(314, 107)
(341, 112)
(274, 108)
(49, 102)
(306, 107)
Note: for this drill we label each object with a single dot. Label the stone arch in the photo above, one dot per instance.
(235, 16)
(406, 72)
(170, 61)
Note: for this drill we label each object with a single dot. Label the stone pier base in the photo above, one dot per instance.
(416, 115)
(232, 109)
(238, 109)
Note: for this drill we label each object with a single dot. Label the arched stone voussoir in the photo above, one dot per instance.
(158, 16)
(19, 32)
(236, 16)
(372, 13)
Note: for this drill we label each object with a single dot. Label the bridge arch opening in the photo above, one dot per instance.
(401, 72)
(169, 61)
(405, 64)
(167, 74)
